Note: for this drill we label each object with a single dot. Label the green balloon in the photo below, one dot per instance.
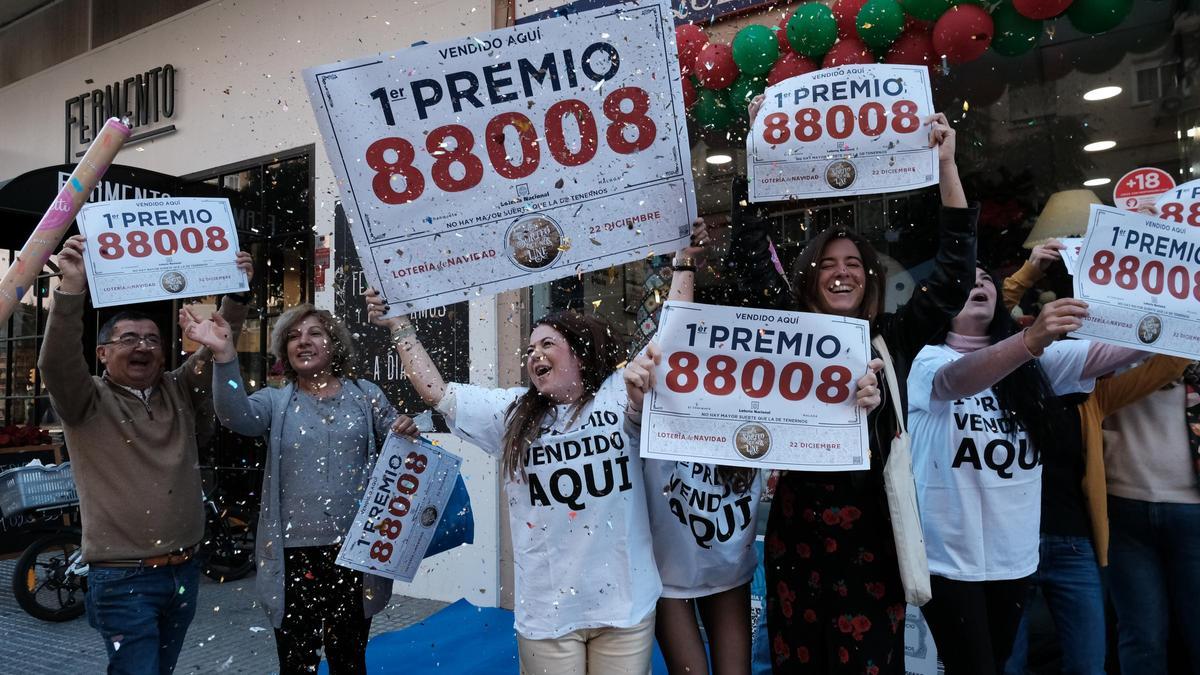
(1097, 16)
(812, 30)
(743, 91)
(879, 24)
(755, 49)
(926, 10)
(712, 110)
(1015, 34)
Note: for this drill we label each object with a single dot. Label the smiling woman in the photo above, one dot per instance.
(324, 430)
(830, 549)
(573, 480)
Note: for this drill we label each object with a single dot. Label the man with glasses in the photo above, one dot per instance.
(131, 435)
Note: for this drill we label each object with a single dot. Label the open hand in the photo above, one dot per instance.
(213, 332)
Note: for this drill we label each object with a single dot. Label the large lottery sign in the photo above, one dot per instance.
(758, 388)
(401, 508)
(160, 249)
(1141, 279)
(850, 130)
(512, 157)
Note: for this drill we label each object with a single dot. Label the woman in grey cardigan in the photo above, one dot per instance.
(324, 429)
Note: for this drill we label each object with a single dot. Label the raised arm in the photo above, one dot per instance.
(247, 415)
(1040, 260)
(950, 186)
(197, 369)
(982, 368)
(63, 369)
(1118, 391)
(683, 274)
(422, 372)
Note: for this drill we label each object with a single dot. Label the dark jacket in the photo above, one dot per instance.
(934, 302)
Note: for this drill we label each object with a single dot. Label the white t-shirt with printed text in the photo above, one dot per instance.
(703, 531)
(979, 478)
(582, 553)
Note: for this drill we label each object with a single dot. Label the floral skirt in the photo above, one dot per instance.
(835, 603)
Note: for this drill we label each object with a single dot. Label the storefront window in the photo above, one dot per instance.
(1028, 126)
(23, 399)
(272, 207)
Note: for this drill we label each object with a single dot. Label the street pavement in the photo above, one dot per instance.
(230, 633)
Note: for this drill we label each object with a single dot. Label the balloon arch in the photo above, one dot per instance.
(720, 79)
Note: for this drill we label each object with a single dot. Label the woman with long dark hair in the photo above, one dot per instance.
(983, 405)
(586, 583)
(835, 602)
(704, 547)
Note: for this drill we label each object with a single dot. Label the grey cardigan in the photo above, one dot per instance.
(265, 413)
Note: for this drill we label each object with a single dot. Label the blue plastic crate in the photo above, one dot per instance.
(26, 488)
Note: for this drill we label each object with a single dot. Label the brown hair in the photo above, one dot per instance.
(341, 349)
(599, 348)
(806, 274)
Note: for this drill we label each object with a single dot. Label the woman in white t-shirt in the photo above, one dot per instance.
(981, 406)
(705, 520)
(585, 579)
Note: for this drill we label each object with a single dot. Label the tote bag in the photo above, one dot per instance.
(901, 490)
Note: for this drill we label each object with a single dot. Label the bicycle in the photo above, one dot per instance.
(50, 581)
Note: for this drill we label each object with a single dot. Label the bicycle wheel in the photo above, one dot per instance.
(41, 583)
(229, 546)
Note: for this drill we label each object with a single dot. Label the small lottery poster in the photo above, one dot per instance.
(850, 130)
(758, 388)
(160, 249)
(402, 505)
(1141, 279)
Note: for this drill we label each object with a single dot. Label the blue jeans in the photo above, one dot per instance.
(1154, 572)
(143, 614)
(1069, 578)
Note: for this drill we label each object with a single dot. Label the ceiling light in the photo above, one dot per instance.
(718, 158)
(1101, 93)
(1194, 132)
(1099, 146)
(1096, 182)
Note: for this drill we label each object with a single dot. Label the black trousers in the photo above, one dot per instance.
(974, 623)
(322, 605)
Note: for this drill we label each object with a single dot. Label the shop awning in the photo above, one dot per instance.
(24, 199)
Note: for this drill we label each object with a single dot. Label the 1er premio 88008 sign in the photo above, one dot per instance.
(512, 157)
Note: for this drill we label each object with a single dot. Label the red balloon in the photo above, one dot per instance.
(963, 33)
(690, 39)
(913, 23)
(848, 51)
(790, 65)
(715, 67)
(914, 47)
(1041, 9)
(845, 12)
(689, 93)
(785, 47)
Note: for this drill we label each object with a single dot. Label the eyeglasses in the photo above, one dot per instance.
(132, 340)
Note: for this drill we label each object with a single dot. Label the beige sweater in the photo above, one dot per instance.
(135, 464)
